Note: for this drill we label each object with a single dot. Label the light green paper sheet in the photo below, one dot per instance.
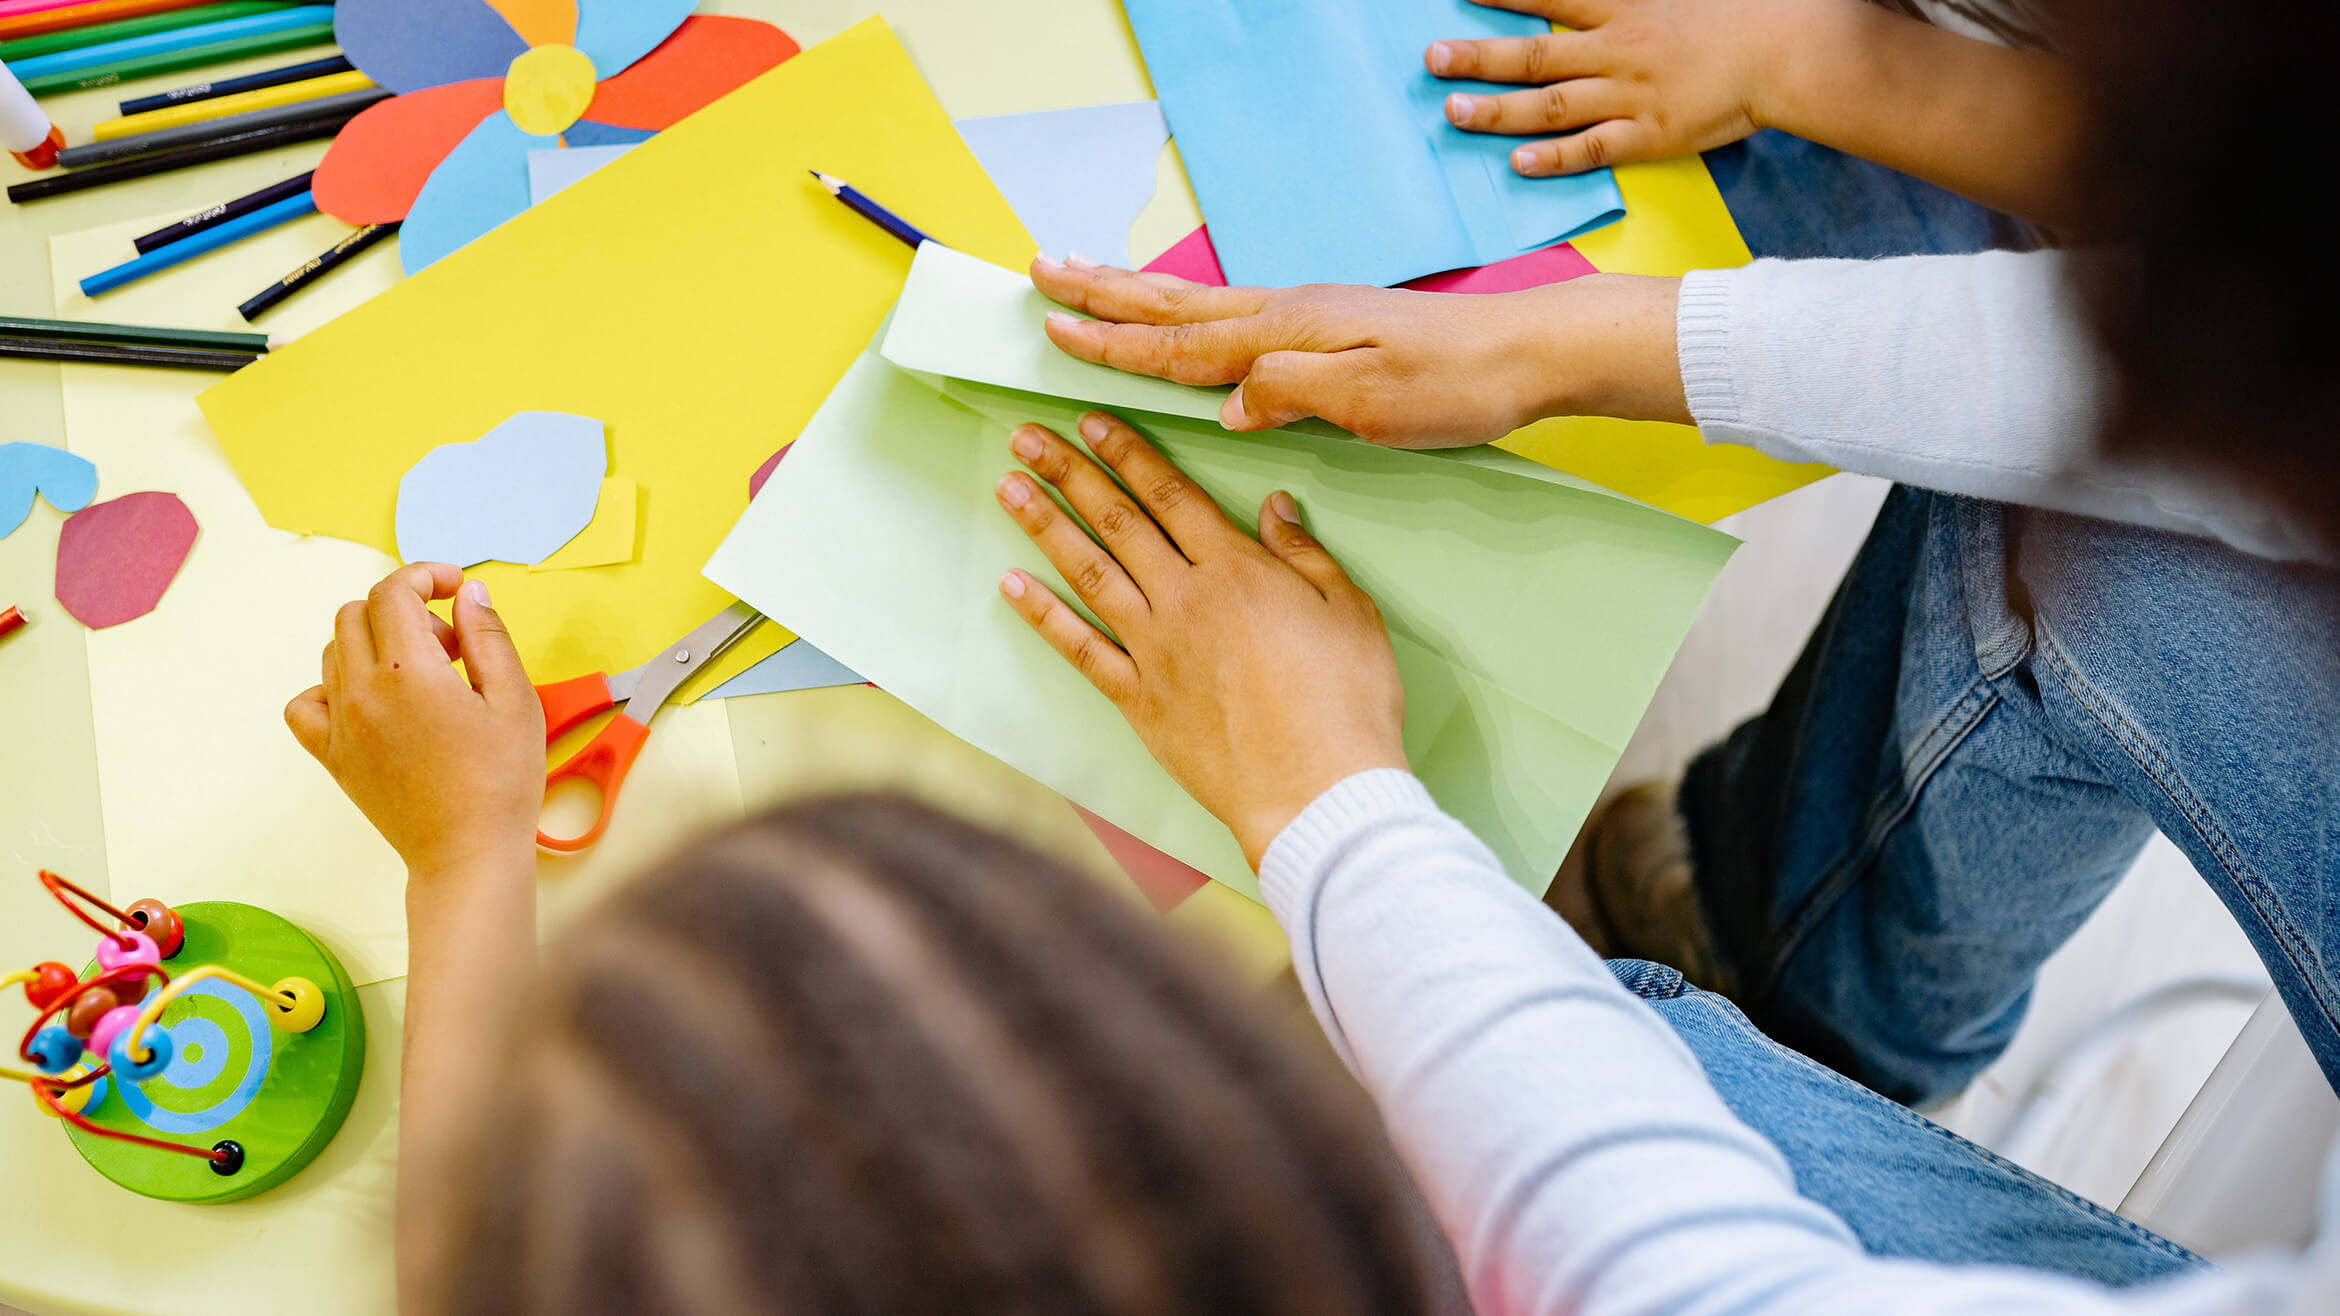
(1532, 618)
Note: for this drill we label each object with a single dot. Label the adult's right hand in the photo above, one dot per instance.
(1401, 369)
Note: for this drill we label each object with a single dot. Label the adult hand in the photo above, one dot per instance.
(1252, 669)
(1641, 79)
(1402, 369)
(450, 772)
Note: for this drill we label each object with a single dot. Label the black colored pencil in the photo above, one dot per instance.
(344, 106)
(146, 166)
(181, 358)
(221, 213)
(339, 254)
(134, 335)
(203, 91)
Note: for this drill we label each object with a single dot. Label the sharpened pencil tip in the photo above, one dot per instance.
(824, 180)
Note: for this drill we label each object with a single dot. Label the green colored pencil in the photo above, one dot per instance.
(217, 53)
(75, 38)
(76, 331)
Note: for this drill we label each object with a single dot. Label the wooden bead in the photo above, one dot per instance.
(155, 1042)
(54, 1050)
(306, 1011)
(111, 954)
(89, 1007)
(55, 980)
(159, 921)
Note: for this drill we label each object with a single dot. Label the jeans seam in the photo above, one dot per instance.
(1885, 813)
(1732, 1014)
(2150, 760)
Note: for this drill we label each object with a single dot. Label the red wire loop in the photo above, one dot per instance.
(65, 1002)
(52, 881)
(41, 1090)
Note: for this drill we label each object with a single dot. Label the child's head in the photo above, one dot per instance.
(857, 1056)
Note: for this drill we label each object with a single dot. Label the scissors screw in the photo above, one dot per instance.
(682, 655)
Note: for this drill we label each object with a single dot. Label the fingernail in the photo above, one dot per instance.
(1282, 505)
(477, 591)
(1062, 320)
(1050, 262)
(1459, 108)
(1013, 492)
(1079, 261)
(1527, 161)
(1093, 427)
(1441, 57)
(1012, 584)
(1027, 445)
(1234, 403)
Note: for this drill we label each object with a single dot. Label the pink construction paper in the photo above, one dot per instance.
(764, 472)
(1164, 881)
(1195, 260)
(115, 559)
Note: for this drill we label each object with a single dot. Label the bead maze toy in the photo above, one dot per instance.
(175, 1071)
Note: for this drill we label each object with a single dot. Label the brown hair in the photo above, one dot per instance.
(858, 1056)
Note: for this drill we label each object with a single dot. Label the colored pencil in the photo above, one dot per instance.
(333, 258)
(259, 139)
(106, 75)
(224, 211)
(26, 131)
(24, 23)
(871, 210)
(344, 107)
(221, 107)
(33, 349)
(210, 239)
(76, 38)
(131, 335)
(89, 58)
(204, 91)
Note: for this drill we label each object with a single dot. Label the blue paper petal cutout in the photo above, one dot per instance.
(481, 183)
(66, 480)
(407, 45)
(615, 33)
(585, 132)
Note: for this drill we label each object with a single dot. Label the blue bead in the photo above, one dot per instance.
(55, 1050)
(158, 1047)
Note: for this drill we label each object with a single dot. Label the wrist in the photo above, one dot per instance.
(1605, 347)
(1803, 83)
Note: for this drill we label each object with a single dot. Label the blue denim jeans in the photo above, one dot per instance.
(1998, 709)
(1906, 1186)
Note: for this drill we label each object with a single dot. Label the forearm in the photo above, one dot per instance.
(1995, 125)
(470, 960)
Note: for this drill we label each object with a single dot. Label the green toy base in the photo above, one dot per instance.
(280, 1096)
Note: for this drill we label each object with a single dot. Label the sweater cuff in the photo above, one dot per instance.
(1302, 850)
(1702, 343)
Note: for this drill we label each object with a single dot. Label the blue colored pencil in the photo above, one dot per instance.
(66, 62)
(210, 239)
(203, 91)
(871, 210)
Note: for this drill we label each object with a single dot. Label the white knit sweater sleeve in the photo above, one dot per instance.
(1570, 1145)
(1969, 374)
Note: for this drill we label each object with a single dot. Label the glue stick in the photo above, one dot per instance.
(25, 130)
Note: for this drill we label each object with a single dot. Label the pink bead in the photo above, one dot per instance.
(110, 1025)
(110, 954)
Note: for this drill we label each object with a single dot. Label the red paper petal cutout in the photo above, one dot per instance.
(706, 59)
(1165, 882)
(115, 559)
(379, 161)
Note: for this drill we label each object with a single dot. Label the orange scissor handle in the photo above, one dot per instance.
(567, 703)
(604, 761)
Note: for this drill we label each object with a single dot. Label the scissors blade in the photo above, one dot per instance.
(644, 689)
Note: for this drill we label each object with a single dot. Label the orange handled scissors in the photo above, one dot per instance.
(638, 695)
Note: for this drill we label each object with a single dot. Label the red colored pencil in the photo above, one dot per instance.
(84, 14)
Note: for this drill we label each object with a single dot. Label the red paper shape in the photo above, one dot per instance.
(764, 472)
(378, 163)
(1165, 882)
(1197, 261)
(706, 59)
(115, 559)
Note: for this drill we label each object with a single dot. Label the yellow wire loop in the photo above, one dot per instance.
(154, 1006)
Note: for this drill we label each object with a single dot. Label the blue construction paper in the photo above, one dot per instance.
(615, 33)
(550, 171)
(1077, 178)
(481, 183)
(585, 132)
(798, 666)
(1319, 148)
(407, 45)
(515, 494)
(195, 244)
(66, 480)
(176, 39)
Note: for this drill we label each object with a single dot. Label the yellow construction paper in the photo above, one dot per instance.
(701, 295)
(609, 538)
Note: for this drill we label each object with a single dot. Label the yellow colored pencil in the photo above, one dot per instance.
(266, 98)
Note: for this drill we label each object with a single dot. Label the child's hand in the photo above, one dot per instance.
(1642, 79)
(450, 773)
(1254, 670)
(1402, 369)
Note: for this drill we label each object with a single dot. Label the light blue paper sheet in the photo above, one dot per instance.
(798, 666)
(550, 171)
(1078, 177)
(481, 183)
(68, 481)
(1319, 148)
(515, 494)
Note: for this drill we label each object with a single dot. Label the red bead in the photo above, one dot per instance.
(88, 1008)
(159, 921)
(51, 986)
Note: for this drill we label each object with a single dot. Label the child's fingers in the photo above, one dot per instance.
(444, 632)
(1618, 141)
(311, 719)
(1097, 658)
(1555, 108)
(396, 611)
(1175, 503)
(1567, 13)
(1094, 575)
(1535, 59)
(329, 670)
(489, 655)
(1280, 530)
(1136, 542)
(352, 636)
